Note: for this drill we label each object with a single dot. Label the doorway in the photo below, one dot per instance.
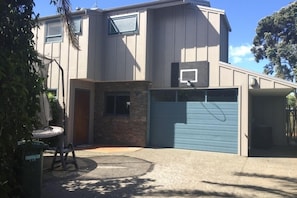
(81, 117)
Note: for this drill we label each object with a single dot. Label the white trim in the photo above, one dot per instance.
(188, 70)
(123, 16)
(51, 38)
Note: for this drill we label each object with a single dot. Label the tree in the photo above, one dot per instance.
(20, 83)
(276, 40)
(20, 86)
(291, 100)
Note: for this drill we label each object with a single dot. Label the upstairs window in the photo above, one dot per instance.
(123, 24)
(77, 25)
(117, 103)
(54, 31)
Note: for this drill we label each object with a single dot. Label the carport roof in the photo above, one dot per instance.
(271, 92)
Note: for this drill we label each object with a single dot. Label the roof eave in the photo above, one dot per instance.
(148, 5)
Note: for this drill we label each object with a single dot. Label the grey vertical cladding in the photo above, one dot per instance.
(206, 126)
(203, 73)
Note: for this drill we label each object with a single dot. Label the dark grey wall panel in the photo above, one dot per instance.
(203, 73)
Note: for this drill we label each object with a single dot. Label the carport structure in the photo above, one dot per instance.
(238, 112)
(262, 108)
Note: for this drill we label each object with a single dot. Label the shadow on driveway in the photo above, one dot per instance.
(101, 176)
(281, 182)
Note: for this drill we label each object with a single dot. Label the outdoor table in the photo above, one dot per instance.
(48, 132)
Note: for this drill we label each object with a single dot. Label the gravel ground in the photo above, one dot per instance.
(172, 173)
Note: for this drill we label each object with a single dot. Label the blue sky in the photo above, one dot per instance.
(243, 16)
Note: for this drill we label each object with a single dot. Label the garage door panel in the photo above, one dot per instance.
(212, 125)
(205, 141)
(224, 136)
(201, 120)
(197, 144)
(228, 108)
(217, 117)
(213, 129)
(204, 134)
(207, 147)
(163, 117)
(207, 126)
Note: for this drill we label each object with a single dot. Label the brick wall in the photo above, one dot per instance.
(122, 130)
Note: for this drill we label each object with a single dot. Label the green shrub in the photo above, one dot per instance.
(20, 86)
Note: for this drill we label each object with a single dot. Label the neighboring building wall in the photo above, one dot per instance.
(123, 130)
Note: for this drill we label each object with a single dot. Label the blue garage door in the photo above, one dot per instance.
(198, 119)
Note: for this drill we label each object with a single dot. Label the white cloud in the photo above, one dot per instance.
(240, 54)
(242, 50)
(236, 59)
(252, 59)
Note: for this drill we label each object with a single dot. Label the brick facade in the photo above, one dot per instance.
(122, 130)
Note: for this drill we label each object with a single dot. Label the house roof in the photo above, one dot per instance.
(158, 4)
(202, 4)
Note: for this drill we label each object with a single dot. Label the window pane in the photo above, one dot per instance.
(122, 104)
(54, 39)
(222, 95)
(164, 96)
(77, 25)
(117, 103)
(191, 95)
(54, 28)
(54, 31)
(110, 104)
(123, 24)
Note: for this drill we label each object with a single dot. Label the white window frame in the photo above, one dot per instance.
(77, 25)
(132, 30)
(182, 71)
(50, 38)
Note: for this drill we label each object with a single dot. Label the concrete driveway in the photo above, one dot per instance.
(171, 173)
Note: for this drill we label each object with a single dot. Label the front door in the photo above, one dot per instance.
(81, 116)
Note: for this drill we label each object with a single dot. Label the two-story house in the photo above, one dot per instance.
(157, 74)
